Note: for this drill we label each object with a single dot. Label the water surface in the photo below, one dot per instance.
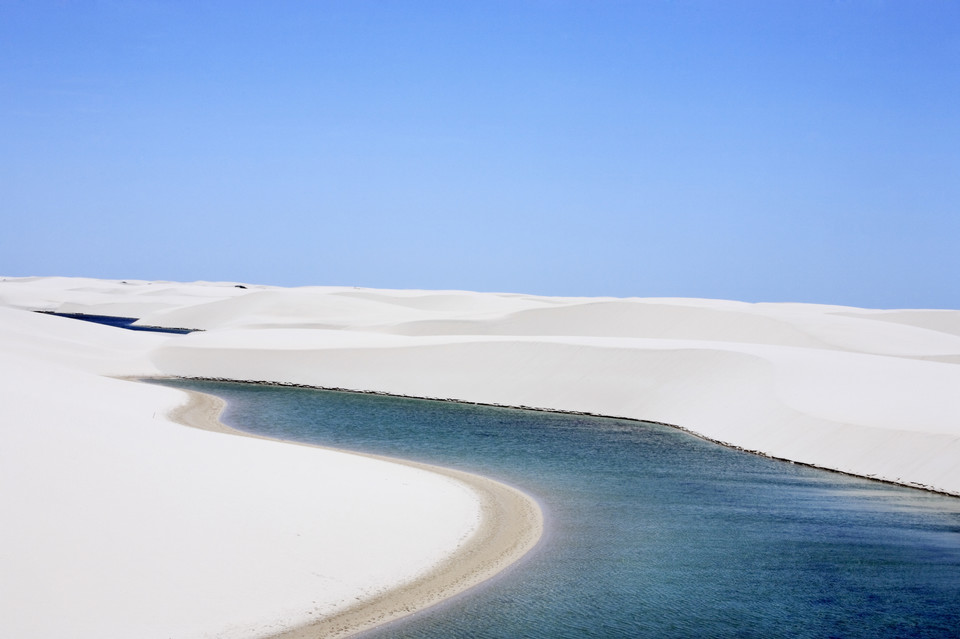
(652, 532)
(119, 322)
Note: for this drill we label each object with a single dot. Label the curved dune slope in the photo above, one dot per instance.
(120, 523)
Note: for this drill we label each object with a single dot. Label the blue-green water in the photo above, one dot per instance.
(652, 532)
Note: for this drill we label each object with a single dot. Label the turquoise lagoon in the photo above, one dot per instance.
(651, 532)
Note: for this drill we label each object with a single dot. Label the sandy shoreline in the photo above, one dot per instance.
(511, 526)
(719, 442)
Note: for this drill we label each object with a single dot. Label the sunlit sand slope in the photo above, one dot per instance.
(119, 523)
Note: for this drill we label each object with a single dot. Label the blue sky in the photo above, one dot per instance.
(761, 151)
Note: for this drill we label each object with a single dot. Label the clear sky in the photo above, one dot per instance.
(762, 151)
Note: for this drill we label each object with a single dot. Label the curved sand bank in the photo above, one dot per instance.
(121, 523)
(511, 524)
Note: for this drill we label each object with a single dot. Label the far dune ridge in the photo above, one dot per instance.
(867, 392)
(106, 491)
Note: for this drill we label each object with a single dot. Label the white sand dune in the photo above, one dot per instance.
(873, 393)
(868, 392)
(119, 523)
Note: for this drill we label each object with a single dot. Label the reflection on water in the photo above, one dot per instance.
(653, 532)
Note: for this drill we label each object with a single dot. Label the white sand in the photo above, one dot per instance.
(100, 475)
(119, 523)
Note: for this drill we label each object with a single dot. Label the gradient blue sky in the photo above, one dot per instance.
(761, 151)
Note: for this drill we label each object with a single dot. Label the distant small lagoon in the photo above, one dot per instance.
(651, 532)
(120, 322)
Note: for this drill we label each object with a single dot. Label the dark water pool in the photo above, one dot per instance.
(120, 322)
(652, 532)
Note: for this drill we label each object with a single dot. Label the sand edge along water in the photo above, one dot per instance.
(511, 525)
